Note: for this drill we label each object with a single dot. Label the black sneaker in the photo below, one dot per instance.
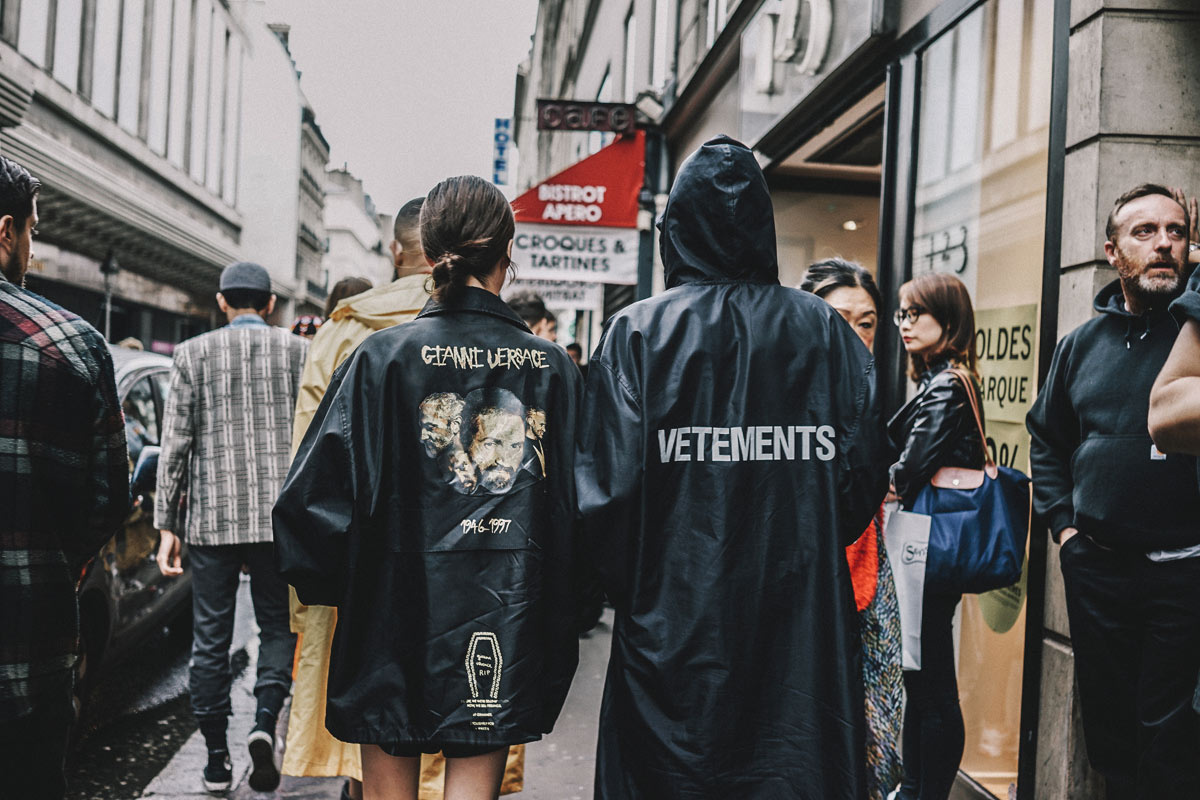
(218, 773)
(264, 775)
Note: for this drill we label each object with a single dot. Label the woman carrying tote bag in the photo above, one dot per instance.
(936, 429)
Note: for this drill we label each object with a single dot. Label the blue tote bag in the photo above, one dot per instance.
(979, 521)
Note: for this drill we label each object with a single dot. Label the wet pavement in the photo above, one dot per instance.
(138, 715)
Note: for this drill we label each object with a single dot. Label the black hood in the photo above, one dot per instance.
(719, 224)
(1111, 300)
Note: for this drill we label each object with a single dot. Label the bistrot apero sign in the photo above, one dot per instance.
(581, 224)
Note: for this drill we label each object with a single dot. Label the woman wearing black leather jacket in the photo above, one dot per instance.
(935, 429)
(432, 502)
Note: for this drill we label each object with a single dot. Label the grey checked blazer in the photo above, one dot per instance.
(227, 432)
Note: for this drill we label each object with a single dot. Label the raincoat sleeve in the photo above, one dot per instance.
(1054, 437)
(314, 514)
(863, 471)
(608, 471)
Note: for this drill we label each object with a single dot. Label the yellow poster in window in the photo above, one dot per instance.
(1006, 346)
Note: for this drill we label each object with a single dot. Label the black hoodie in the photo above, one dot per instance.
(1094, 465)
(731, 448)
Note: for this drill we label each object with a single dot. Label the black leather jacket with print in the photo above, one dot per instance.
(935, 429)
(432, 501)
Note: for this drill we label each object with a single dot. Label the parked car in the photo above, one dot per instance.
(122, 595)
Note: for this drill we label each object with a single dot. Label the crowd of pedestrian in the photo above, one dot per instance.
(447, 496)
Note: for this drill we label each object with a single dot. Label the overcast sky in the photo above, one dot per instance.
(407, 91)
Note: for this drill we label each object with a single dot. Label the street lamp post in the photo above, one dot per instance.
(109, 267)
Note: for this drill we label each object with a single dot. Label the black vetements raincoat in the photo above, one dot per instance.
(432, 502)
(731, 449)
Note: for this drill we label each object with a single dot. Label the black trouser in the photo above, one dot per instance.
(33, 748)
(932, 737)
(215, 575)
(1135, 630)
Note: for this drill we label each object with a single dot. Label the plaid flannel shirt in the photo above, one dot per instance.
(227, 432)
(64, 485)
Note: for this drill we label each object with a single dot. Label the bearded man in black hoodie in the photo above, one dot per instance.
(1126, 514)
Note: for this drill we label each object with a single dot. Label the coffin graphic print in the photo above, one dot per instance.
(485, 666)
(484, 441)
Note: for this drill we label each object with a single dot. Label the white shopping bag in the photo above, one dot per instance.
(907, 539)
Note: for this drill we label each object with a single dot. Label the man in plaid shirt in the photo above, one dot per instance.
(64, 489)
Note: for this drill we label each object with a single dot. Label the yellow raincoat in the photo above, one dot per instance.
(311, 751)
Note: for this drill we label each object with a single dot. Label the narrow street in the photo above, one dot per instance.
(138, 737)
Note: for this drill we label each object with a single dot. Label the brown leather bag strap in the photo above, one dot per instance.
(969, 385)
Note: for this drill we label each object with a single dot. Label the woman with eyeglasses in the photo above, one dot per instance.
(935, 429)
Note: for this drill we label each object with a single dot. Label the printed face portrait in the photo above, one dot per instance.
(497, 447)
(462, 471)
(441, 418)
(536, 419)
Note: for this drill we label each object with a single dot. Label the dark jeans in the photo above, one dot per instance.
(215, 575)
(1135, 630)
(932, 738)
(33, 748)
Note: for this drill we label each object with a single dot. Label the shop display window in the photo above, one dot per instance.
(979, 213)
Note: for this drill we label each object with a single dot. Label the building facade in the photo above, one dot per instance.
(283, 158)
(172, 138)
(312, 243)
(987, 138)
(357, 248)
(129, 112)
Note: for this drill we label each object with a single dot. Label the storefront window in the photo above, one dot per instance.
(980, 211)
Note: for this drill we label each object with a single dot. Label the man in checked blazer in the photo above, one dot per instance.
(226, 448)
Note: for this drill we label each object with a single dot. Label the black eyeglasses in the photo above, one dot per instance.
(912, 314)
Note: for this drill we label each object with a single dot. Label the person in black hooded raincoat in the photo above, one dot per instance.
(733, 448)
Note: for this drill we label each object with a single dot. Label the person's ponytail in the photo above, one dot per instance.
(449, 278)
(466, 226)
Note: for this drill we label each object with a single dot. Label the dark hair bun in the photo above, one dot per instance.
(466, 225)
